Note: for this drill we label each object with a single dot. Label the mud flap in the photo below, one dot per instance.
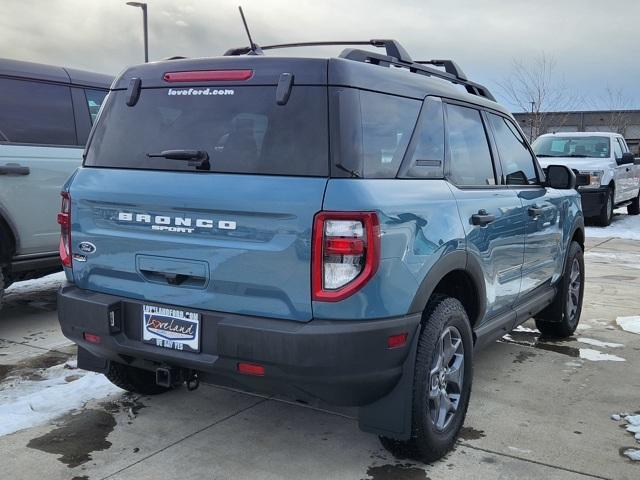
(88, 361)
(391, 416)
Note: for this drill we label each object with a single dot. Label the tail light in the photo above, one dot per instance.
(64, 219)
(346, 253)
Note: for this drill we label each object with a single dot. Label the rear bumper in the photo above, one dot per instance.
(340, 362)
(593, 201)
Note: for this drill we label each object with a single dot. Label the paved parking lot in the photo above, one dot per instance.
(538, 409)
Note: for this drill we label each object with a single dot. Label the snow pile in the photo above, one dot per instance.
(629, 324)
(598, 356)
(50, 282)
(598, 343)
(633, 427)
(622, 226)
(27, 403)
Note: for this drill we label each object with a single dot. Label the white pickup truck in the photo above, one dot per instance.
(613, 173)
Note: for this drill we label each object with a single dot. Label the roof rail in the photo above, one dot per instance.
(449, 66)
(453, 73)
(393, 48)
(396, 56)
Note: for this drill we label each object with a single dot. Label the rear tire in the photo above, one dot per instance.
(134, 379)
(560, 319)
(2, 283)
(442, 382)
(606, 213)
(634, 207)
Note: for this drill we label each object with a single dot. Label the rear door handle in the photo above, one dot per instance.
(482, 218)
(14, 169)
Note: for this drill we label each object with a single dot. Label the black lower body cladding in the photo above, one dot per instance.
(339, 362)
(593, 201)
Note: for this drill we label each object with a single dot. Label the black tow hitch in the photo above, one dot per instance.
(174, 377)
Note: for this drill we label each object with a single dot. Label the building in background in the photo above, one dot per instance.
(625, 122)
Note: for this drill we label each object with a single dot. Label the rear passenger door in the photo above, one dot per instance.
(491, 213)
(543, 234)
(629, 172)
(38, 151)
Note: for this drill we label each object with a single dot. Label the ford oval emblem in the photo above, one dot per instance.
(87, 247)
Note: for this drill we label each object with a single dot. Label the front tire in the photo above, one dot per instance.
(134, 379)
(606, 213)
(4, 284)
(560, 319)
(442, 382)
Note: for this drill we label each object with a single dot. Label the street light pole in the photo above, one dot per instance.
(143, 6)
(533, 104)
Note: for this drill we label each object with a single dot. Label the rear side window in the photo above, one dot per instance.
(425, 156)
(517, 161)
(387, 125)
(36, 113)
(94, 101)
(470, 161)
(242, 129)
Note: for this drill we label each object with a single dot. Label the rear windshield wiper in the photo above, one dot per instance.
(197, 158)
(180, 154)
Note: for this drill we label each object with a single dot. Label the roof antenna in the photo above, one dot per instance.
(254, 49)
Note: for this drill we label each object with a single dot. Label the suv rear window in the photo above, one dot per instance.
(243, 130)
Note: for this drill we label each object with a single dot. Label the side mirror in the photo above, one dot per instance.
(560, 177)
(627, 159)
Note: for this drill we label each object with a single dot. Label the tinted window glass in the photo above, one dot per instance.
(623, 145)
(387, 124)
(470, 157)
(94, 100)
(34, 112)
(243, 130)
(517, 161)
(426, 154)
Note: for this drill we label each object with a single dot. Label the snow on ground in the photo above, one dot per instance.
(598, 356)
(633, 427)
(622, 226)
(598, 343)
(629, 324)
(27, 403)
(52, 282)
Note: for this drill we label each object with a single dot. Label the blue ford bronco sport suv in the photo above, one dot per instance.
(347, 230)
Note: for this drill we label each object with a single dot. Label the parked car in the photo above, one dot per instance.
(614, 176)
(347, 229)
(46, 113)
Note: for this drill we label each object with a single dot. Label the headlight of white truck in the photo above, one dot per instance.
(595, 178)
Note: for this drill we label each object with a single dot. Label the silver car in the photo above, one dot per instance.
(46, 114)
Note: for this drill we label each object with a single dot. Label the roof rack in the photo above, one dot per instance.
(396, 56)
(393, 48)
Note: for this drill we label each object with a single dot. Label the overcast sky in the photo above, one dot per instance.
(596, 43)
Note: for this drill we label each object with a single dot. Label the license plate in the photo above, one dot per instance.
(171, 328)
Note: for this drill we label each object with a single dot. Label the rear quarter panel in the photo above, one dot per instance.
(419, 224)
